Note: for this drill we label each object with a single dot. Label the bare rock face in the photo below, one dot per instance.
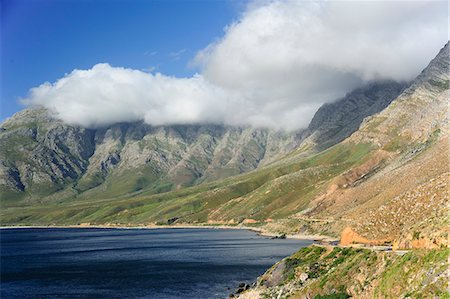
(418, 112)
(40, 154)
(334, 122)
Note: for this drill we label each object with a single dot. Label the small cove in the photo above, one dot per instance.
(134, 263)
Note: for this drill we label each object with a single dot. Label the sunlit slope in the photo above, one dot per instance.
(41, 155)
(407, 181)
(323, 272)
(400, 193)
(274, 191)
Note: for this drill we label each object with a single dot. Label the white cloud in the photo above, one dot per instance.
(274, 67)
(301, 47)
(105, 95)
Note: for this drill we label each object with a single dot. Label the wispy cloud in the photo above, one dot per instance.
(150, 69)
(150, 53)
(176, 55)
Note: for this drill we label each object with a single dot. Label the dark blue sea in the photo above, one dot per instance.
(134, 263)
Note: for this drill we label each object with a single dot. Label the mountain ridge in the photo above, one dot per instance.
(164, 157)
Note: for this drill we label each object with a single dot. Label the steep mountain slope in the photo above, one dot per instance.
(405, 180)
(41, 156)
(38, 155)
(336, 121)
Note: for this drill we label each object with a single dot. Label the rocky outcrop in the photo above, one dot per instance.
(416, 114)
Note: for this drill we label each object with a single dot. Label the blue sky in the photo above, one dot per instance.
(265, 63)
(41, 40)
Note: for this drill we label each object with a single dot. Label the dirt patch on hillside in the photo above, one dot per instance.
(349, 236)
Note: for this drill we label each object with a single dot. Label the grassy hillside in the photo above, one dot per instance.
(324, 272)
(276, 191)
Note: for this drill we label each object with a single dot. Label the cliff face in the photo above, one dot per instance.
(41, 155)
(336, 121)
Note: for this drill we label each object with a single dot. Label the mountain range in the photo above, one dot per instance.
(371, 168)
(42, 155)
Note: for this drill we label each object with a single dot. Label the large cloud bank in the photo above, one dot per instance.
(273, 67)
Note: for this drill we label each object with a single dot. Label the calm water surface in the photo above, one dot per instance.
(134, 263)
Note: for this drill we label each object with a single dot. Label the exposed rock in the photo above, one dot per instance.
(282, 236)
(172, 220)
(303, 277)
(275, 275)
(40, 149)
(334, 122)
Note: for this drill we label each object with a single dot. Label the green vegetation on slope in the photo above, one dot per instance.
(324, 273)
(278, 190)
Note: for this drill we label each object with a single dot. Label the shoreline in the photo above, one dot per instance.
(258, 231)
